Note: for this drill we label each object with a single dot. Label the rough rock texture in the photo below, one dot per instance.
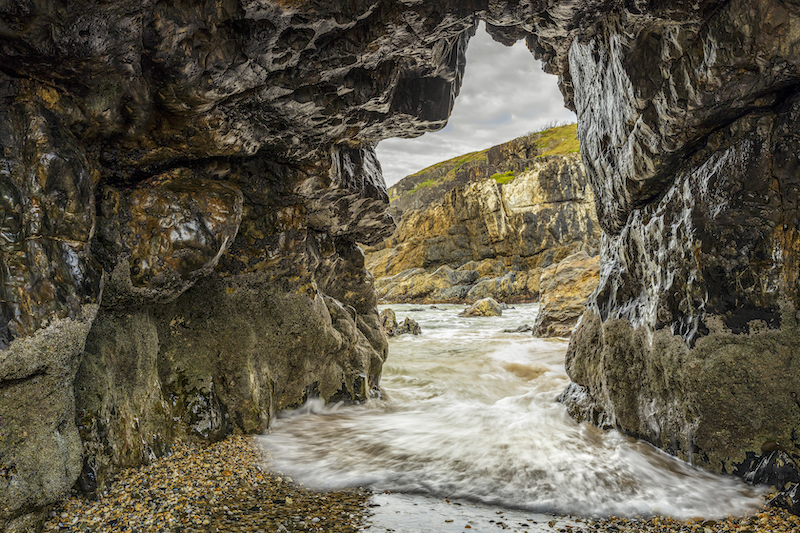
(205, 330)
(688, 126)
(484, 307)
(487, 239)
(776, 469)
(688, 122)
(565, 289)
(393, 329)
(429, 185)
(788, 499)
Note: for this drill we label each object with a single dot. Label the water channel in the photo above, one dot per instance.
(469, 432)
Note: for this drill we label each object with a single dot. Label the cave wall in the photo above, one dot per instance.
(183, 184)
(688, 130)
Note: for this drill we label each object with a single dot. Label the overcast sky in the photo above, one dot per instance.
(505, 94)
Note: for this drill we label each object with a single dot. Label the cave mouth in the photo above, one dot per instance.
(234, 284)
(509, 150)
(504, 95)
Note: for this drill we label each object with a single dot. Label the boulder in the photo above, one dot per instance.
(776, 468)
(788, 499)
(409, 326)
(501, 287)
(484, 307)
(392, 329)
(388, 322)
(565, 289)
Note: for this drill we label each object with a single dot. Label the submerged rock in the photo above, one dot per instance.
(484, 307)
(525, 328)
(410, 326)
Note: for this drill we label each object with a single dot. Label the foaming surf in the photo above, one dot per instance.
(469, 413)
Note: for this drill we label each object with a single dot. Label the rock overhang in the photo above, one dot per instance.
(284, 101)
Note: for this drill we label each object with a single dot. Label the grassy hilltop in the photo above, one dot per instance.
(502, 163)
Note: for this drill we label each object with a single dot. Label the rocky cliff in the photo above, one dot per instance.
(491, 237)
(688, 129)
(429, 185)
(183, 183)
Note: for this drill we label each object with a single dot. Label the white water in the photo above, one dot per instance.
(470, 414)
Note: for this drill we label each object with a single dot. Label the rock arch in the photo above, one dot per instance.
(168, 165)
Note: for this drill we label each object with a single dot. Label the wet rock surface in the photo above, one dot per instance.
(776, 468)
(788, 499)
(484, 239)
(169, 231)
(687, 131)
(688, 122)
(484, 307)
(565, 289)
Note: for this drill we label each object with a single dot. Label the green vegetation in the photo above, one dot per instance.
(455, 163)
(560, 140)
(452, 166)
(505, 177)
(423, 184)
(554, 139)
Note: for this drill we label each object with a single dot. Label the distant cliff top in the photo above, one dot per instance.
(502, 162)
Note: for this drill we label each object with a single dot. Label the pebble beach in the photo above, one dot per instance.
(225, 486)
(228, 486)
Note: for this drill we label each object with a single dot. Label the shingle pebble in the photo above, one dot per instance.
(764, 521)
(209, 488)
(226, 487)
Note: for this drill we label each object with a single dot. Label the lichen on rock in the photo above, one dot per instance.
(484, 307)
(482, 239)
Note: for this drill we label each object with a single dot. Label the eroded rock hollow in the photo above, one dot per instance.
(183, 184)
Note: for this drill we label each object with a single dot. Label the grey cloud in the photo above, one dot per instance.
(505, 94)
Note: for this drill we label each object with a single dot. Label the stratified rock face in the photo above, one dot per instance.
(428, 186)
(565, 289)
(486, 239)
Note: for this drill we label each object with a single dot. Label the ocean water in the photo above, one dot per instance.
(469, 429)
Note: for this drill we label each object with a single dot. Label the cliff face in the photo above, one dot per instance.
(183, 183)
(487, 239)
(429, 185)
(689, 133)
